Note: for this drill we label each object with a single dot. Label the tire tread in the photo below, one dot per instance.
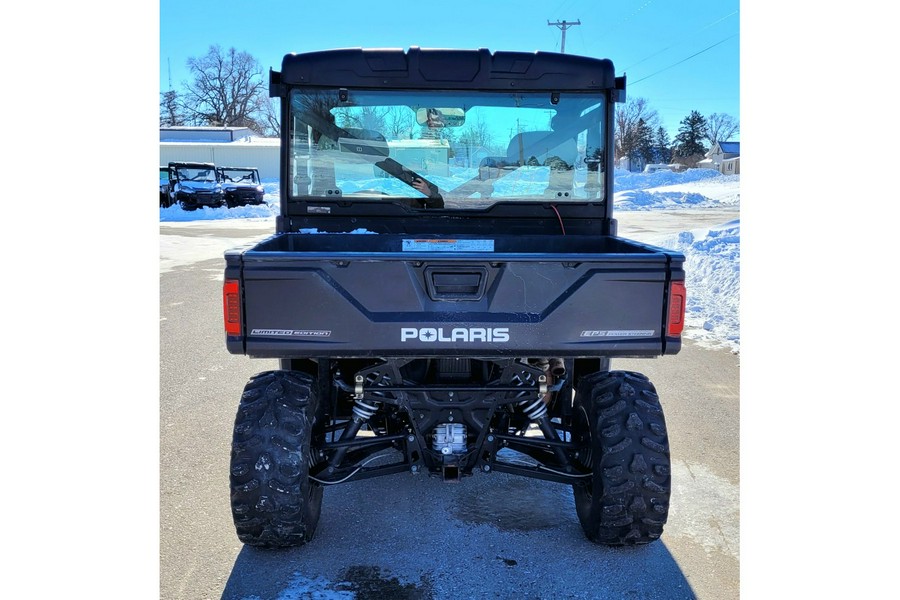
(626, 502)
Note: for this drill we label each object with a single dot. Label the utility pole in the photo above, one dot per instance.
(563, 26)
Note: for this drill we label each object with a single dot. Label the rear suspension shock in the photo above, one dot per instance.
(362, 412)
(536, 411)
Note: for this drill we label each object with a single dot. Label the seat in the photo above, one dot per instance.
(541, 146)
(546, 148)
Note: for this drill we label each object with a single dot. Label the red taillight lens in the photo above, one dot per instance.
(231, 295)
(677, 300)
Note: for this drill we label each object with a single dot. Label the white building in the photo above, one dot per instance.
(223, 146)
(724, 157)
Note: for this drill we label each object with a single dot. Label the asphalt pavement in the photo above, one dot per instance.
(412, 536)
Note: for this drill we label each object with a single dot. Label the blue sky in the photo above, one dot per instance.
(679, 56)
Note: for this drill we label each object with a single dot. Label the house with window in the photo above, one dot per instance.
(724, 157)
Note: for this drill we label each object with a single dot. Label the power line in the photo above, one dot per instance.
(559, 9)
(555, 40)
(581, 36)
(627, 18)
(707, 26)
(563, 26)
(683, 60)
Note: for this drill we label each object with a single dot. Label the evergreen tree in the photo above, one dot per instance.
(689, 147)
(662, 147)
(645, 141)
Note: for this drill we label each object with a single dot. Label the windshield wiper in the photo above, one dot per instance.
(388, 165)
(411, 178)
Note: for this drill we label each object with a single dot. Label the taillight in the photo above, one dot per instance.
(677, 300)
(231, 295)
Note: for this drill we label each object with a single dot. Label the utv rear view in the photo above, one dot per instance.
(445, 291)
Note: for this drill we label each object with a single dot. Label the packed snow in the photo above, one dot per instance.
(712, 253)
(712, 267)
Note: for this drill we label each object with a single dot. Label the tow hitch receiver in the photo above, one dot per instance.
(450, 473)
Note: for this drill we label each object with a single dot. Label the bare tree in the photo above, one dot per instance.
(400, 122)
(228, 89)
(721, 128)
(363, 117)
(478, 134)
(632, 122)
(270, 118)
(315, 108)
(170, 110)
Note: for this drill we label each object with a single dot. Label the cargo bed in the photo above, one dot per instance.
(366, 295)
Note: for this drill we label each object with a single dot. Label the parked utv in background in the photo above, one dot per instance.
(241, 186)
(193, 185)
(473, 328)
(165, 201)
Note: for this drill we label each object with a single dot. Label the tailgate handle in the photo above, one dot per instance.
(455, 284)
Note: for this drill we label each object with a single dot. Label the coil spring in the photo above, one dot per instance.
(536, 410)
(364, 411)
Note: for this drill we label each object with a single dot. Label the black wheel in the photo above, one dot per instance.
(622, 433)
(185, 206)
(273, 501)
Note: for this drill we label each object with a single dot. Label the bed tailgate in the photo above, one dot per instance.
(409, 303)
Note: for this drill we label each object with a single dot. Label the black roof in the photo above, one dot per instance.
(432, 68)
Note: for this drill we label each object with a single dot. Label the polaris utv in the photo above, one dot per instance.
(195, 185)
(241, 186)
(445, 290)
(165, 200)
